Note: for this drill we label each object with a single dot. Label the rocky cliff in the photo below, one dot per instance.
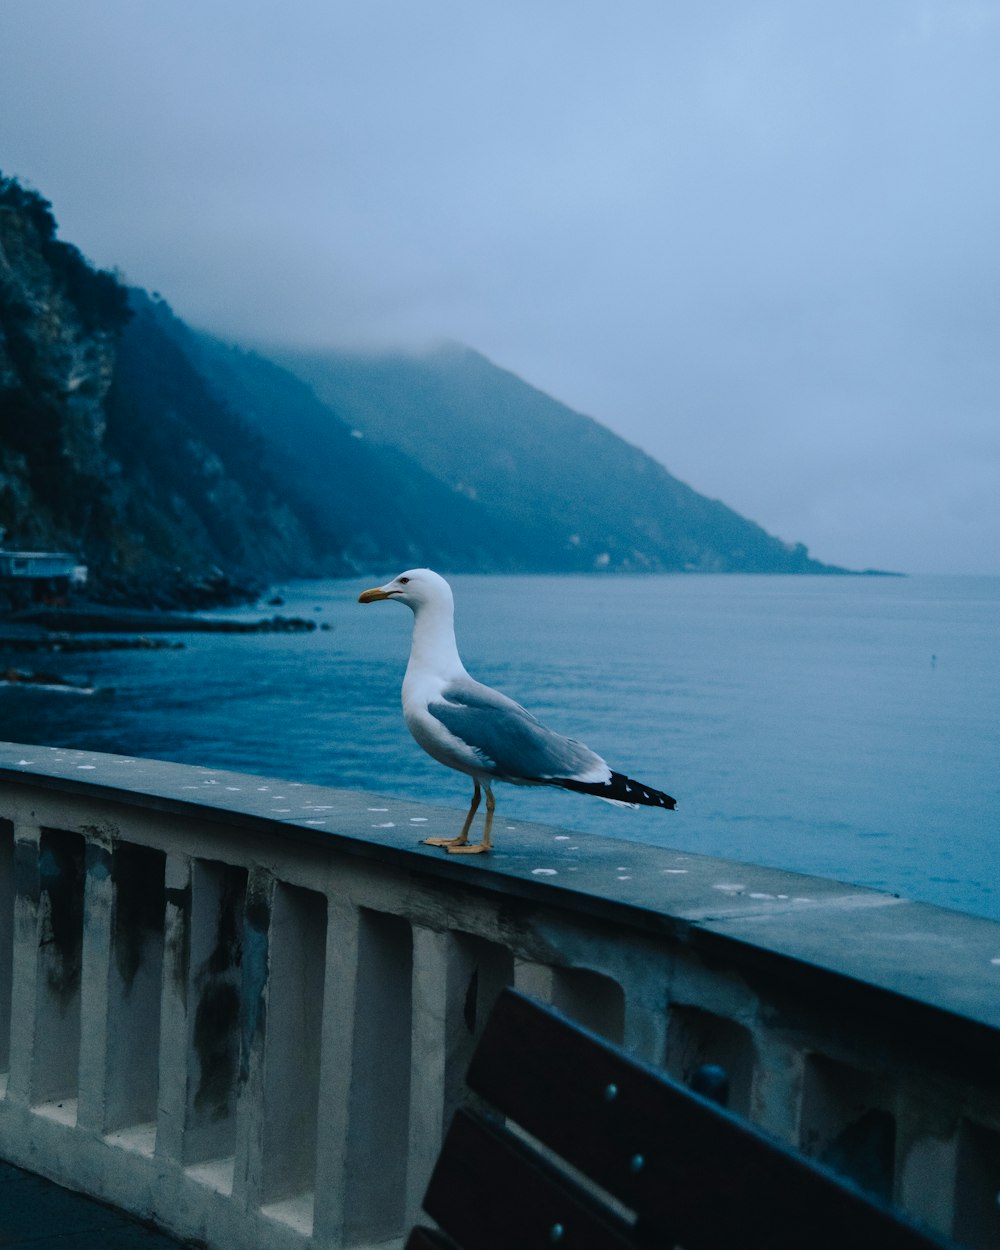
(112, 445)
(59, 327)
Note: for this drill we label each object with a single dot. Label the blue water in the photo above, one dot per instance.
(848, 727)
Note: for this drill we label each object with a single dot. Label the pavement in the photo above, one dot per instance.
(39, 1214)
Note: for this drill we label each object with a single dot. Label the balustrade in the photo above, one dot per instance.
(243, 1007)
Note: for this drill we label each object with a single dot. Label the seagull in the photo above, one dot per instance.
(479, 731)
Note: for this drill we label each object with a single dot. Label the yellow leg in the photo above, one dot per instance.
(463, 837)
(460, 847)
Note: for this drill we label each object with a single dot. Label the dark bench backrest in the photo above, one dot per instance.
(674, 1168)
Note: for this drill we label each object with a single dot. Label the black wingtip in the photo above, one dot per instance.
(622, 789)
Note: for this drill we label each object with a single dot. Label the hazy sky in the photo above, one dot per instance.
(760, 239)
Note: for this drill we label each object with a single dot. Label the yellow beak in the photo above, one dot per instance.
(373, 595)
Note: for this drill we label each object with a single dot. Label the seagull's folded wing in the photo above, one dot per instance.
(510, 741)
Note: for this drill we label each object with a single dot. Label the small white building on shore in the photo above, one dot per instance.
(38, 576)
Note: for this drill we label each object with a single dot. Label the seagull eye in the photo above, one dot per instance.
(403, 581)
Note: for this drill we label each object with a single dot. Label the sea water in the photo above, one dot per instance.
(842, 726)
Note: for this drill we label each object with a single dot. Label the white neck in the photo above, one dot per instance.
(433, 649)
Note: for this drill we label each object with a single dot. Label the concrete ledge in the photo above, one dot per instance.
(944, 959)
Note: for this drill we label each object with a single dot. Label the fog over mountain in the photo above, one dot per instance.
(169, 459)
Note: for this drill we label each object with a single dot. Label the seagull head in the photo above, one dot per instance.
(417, 588)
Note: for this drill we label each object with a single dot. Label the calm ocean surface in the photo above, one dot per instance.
(848, 727)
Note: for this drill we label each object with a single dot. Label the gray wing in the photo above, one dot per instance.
(513, 742)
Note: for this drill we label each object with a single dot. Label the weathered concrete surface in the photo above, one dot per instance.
(944, 958)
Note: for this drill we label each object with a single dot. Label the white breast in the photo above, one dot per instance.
(419, 690)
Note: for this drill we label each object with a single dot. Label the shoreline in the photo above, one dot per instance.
(95, 619)
(71, 631)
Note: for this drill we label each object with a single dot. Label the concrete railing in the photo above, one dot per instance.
(243, 1007)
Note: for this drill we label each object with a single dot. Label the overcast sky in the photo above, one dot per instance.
(760, 239)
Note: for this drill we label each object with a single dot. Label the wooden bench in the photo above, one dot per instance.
(620, 1155)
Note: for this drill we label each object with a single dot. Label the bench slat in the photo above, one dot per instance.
(679, 1161)
(491, 1191)
(428, 1239)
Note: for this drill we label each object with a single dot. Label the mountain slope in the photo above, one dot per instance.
(200, 487)
(391, 509)
(173, 463)
(590, 500)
